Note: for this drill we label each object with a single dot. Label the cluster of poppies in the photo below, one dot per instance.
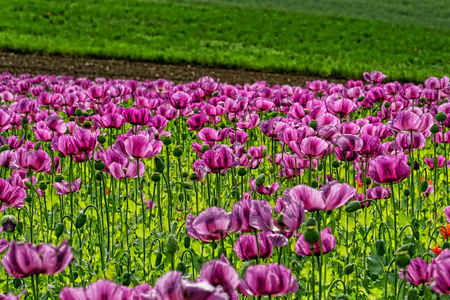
(263, 191)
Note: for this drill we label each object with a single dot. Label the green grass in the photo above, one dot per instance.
(285, 37)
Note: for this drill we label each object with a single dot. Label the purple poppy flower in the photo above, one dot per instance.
(371, 146)
(235, 106)
(374, 76)
(403, 141)
(261, 216)
(8, 160)
(245, 246)
(292, 217)
(35, 161)
(428, 161)
(261, 105)
(212, 224)
(247, 121)
(330, 196)
(409, 121)
(180, 100)
(138, 147)
(43, 259)
(145, 292)
(62, 188)
(219, 160)
(127, 170)
(417, 272)
(211, 135)
(268, 280)
(137, 116)
(3, 245)
(341, 107)
(114, 120)
(56, 124)
(387, 169)
(441, 280)
(5, 119)
(101, 289)
(447, 213)
(272, 127)
(263, 190)
(310, 148)
(85, 139)
(303, 248)
(196, 122)
(278, 240)
(221, 273)
(66, 145)
(378, 192)
(11, 296)
(349, 142)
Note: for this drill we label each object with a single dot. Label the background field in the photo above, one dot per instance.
(407, 40)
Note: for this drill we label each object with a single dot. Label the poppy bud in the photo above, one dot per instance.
(71, 119)
(126, 279)
(424, 186)
(380, 247)
(195, 110)
(28, 199)
(85, 114)
(181, 267)
(402, 260)
(416, 166)
(406, 192)
(28, 184)
(159, 164)
(99, 165)
(167, 141)
(412, 294)
(214, 245)
(387, 105)
(59, 229)
(204, 148)
(422, 99)
(181, 197)
(80, 220)
(313, 124)
(434, 128)
(193, 176)
(98, 176)
(368, 181)
(78, 112)
(335, 164)
(24, 121)
(37, 146)
(441, 117)
(59, 178)
(314, 183)
(319, 94)
(17, 282)
(101, 139)
(158, 259)
(178, 151)
(348, 269)
(43, 186)
(215, 93)
(185, 174)
(312, 234)
(352, 206)
(360, 98)
(156, 177)
(87, 124)
(9, 223)
(187, 186)
(320, 167)
(187, 242)
(172, 244)
(260, 180)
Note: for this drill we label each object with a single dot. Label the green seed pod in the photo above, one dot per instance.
(434, 128)
(348, 269)
(101, 139)
(181, 267)
(80, 220)
(126, 279)
(17, 282)
(181, 197)
(43, 186)
(214, 245)
(360, 98)
(260, 180)
(312, 234)
(187, 242)
(412, 294)
(441, 117)
(172, 244)
(187, 186)
(19, 227)
(215, 93)
(422, 99)
(9, 223)
(424, 186)
(352, 206)
(28, 184)
(402, 260)
(242, 172)
(387, 105)
(178, 151)
(99, 165)
(314, 183)
(98, 176)
(87, 124)
(24, 121)
(59, 178)
(78, 112)
(406, 192)
(204, 148)
(85, 114)
(185, 174)
(380, 247)
(336, 164)
(313, 124)
(156, 177)
(28, 199)
(159, 164)
(320, 167)
(59, 229)
(158, 259)
(368, 181)
(195, 110)
(264, 152)
(167, 141)
(193, 177)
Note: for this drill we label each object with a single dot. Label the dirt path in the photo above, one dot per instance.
(139, 70)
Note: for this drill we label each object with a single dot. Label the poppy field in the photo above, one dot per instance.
(124, 189)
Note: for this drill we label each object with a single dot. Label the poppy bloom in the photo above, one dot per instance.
(11, 195)
(303, 248)
(349, 142)
(101, 289)
(409, 121)
(268, 280)
(62, 188)
(110, 120)
(246, 249)
(66, 145)
(211, 135)
(441, 282)
(387, 169)
(310, 148)
(220, 159)
(196, 122)
(35, 161)
(25, 259)
(330, 196)
(137, 116)
(138, 147)
(264, 190)
(220, 272)
(8, 160)
(417, 272)
(440, 161)
(374, 76)
(180, 100)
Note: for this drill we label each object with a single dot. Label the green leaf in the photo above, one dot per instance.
(375, 265)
